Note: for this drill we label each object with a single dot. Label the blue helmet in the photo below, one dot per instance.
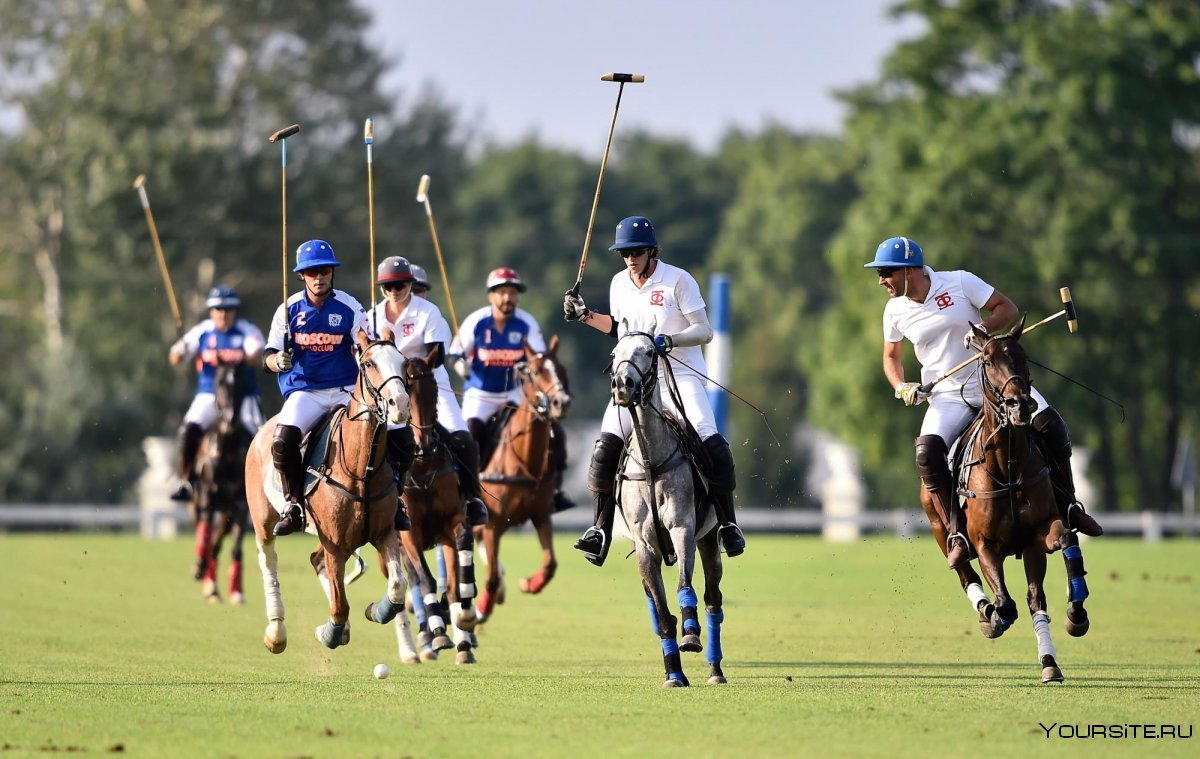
(634, 232)
(897, 253)
(222, 297)
(315, 254)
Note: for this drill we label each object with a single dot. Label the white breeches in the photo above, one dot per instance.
(304, 408)
(203, 412)
(448, 413)
(696, 407)
(949, 415)
(480, 405)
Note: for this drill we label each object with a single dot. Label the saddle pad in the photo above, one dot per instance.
(315, 449)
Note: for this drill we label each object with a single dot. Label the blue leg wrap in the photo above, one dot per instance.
(671, 662)
(654, 626)
(1077, 586)
(714, 620)
(331, 634)
(687, 597)
(418, 606)
(385, 611)
(687, 601)
(441, 572)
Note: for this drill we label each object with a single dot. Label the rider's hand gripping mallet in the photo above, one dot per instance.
(281, 137)
(587, 240)
(139, 184)
(423, 197)
(1072, 325)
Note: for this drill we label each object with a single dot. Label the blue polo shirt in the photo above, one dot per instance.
(322, 339)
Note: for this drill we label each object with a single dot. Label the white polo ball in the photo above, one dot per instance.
(382, 671)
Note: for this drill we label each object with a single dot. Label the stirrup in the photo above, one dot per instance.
(477, 513)
(1084, 522)
(184, 492)
(732, 539)
(291, 521)
(594, 545)
(951, 546)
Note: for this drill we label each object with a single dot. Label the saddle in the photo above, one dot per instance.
(314, 449)
(493, 430)
(960, 467)
(691, 451)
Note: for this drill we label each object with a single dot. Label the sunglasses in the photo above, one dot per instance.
(634, 252)
(390, 286)
(884, 272)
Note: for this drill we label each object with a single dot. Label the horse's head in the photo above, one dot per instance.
(230, 389)
(423, 386)
(544, 382)
(1005, 374)
(381, 378)
(634, 367)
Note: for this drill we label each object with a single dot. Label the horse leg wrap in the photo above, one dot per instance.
(384, 611)
(655, 625)
(714, 620)
(235, 577)
(485, 604)
(687, 608)
(1041, 630)
(1078, 589)
(437, 625)
(203, 541)
(671, 663)
(330, 634)
(465, 541)
(418, 605)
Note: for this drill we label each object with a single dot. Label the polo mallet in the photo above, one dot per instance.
(587, 240)
(281, 137)
(1072, 325)
(423, 197)
(368, 140)
(139, 184)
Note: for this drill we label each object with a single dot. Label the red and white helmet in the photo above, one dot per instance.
(505, 276)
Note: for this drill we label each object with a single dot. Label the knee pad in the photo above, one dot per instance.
(1053, 429)
(930, 449)
(606, 457)
(286, 438)
(722, 458)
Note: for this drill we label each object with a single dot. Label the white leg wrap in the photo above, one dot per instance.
(976, 593)
(1041, 629)
(408, 652)
(268, 562)
(466, 558)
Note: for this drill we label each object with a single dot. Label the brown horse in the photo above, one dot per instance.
(1010, 508)
(353, 504)
(219, 505)
(518, 483)
(435, 508)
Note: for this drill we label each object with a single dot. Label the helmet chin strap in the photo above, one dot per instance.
(645, 272)
(905, 293)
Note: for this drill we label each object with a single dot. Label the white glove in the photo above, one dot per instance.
(910, 393)
(574, 309)
(283, 361)
(178, 352)
(462, 367)
(971, 340)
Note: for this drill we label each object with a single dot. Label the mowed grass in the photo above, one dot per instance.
(863, 649)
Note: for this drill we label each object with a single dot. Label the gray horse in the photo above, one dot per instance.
(659, 510)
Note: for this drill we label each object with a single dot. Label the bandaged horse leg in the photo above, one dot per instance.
(204, 531)
(326, 633)
(237, 595)
(1058, 443)
(1077, 622)
(691, 621)
(285, 453)
(401, 451)
(1035, 575)
(601, 474)
(421, 615)
(672, 666)
(464, 544)
(537, 582)
(188, 444)
(558, 466)
(723, 484)
(466, 452)
(462, 637)
(275, 637)
(935, 476)
(710, 563)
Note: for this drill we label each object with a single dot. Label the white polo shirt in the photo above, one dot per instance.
(658, 307)
(936, 326)
(420, 323)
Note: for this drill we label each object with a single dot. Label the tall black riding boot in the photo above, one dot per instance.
(934, 470)
(190, 436)
(402, 449)
(1058, 446)
(601, 476)
(285, 452)
(463, 446)
(558, 467)
(724, 482)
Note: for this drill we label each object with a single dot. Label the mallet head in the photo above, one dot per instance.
(369, 131)
(284, 133)
(423, 189)
(634, 78)
(1069, 307)
(140, 182)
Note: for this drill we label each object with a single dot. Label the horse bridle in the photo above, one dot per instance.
(994, 396)
(422, 453)
(541, 399)
(645, 386)
(379, 405)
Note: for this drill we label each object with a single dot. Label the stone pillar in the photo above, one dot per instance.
(159, 512)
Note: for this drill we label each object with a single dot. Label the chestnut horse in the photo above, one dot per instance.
(518, 485)
(1010, 507)
(435, 508)
(219, 505)
(353, 504)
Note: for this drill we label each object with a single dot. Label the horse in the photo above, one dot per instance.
(1010, 503)
(657, 498)
(219, 504)
(353, 503)
(518, 485)
(435, 508)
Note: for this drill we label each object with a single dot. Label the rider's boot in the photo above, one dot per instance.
(934, 470)
(285, 452)
(601, 475)
(401, 450)
(558, 467)
(190, 436)
(1058, 446)
(466, 452)
(723, 484)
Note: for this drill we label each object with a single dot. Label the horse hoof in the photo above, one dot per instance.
(465, 657)
(691, 644)
(533, 584)
(1077, 628)
(329, 636)
(673, 683)
(410, 659)
(237, 599)
(213, 599)
(428, 654)
(275, 638)
(717, 680)
(1051, 675)
(442, 642)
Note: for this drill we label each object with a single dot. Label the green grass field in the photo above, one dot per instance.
(867, 649)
